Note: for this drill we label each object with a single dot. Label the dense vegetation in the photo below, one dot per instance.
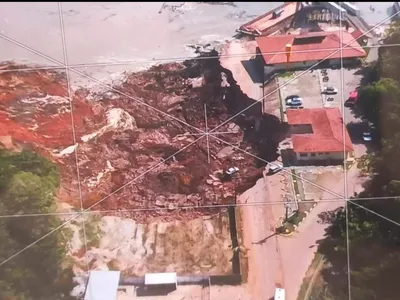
(374, 247)
(28, 183)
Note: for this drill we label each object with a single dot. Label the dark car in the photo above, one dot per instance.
(291, 97)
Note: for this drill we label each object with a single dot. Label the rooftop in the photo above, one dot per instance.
(102, 285)
(327, 125)
(267, 20)
(273, 47)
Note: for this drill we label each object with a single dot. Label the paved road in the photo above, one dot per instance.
(298, 250)
(283, 260)
(258, 226)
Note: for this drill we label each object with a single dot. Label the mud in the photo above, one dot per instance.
(119, 139)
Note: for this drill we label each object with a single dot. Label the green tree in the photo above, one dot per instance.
(28, 183)
(374, 242)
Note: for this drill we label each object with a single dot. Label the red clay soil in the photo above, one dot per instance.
(35, 111)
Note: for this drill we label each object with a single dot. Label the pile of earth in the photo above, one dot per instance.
(134, 145)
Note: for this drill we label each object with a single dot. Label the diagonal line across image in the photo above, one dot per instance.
(208, 133)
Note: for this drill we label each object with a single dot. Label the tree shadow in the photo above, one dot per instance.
(262, 241)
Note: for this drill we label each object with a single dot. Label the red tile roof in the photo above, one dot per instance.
(356, 34)
(327, 126)
(274, 47)
(266, 21)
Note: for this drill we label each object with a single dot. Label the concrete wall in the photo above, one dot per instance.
(290, 66)
(321, 156)
(269, 69)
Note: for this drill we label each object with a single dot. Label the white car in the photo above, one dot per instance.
(367, 136)
(330, 90)
(232, 170)
(274, 169)
(294, 102)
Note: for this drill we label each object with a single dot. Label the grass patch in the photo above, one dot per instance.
(296, 218)
(288, 226)
(295, 184)
(287, 75)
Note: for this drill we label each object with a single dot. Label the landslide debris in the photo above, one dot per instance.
(130, 155)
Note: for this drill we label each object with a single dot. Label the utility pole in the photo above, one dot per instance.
(262, 87)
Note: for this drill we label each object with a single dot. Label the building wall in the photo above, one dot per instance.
(279, 26)
(321, 156)
(269, 69)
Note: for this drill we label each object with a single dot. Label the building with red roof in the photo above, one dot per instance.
(319, 134)
(308, 49)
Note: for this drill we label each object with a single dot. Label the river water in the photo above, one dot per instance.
(122, 31)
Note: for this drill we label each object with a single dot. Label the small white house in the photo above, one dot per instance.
(102, 285)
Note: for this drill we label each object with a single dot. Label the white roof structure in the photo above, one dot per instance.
(160, 278)
(102, 285)
(279, 294)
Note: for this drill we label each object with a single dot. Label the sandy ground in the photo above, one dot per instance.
(200, 246)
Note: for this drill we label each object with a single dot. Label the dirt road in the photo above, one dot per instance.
(283, 260)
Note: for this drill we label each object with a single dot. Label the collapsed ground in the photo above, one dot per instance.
(119, 139)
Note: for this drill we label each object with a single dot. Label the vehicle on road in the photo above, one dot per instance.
(367, 137)
(329, 99)
(294, 101)
(353, 98)
(232, 170)
(273, 168)
(329, 90)
(291, 97)
(325, 79)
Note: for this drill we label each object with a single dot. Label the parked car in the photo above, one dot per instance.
(330, 90)
(294, 107)
(274, 169)
(232, 171)
(367, 137)
(292, 97)
(294, 101)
